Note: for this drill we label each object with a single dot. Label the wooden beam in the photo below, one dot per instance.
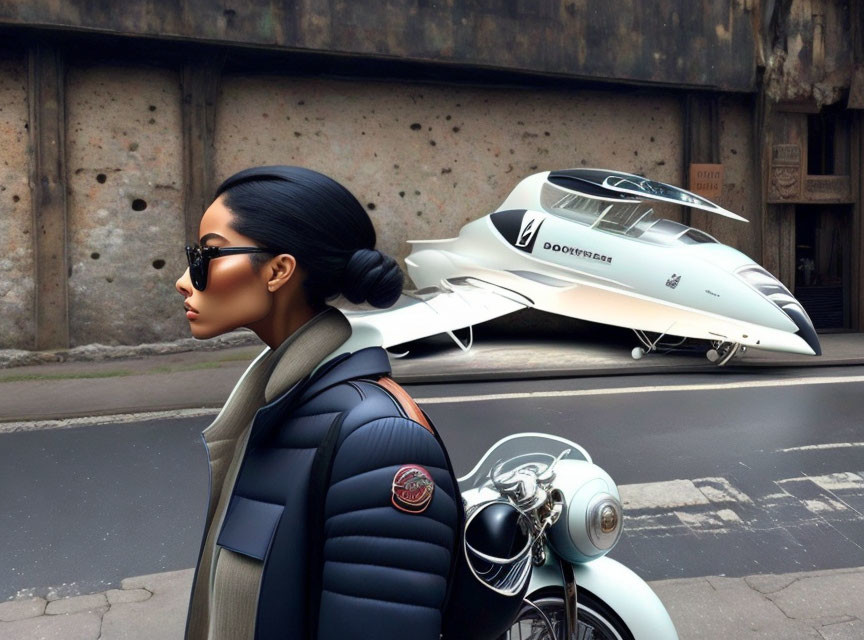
(857, 165)
(48, 183)
(701, 135)
(199, 80)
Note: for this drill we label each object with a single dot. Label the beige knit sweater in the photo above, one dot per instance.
(225, 591)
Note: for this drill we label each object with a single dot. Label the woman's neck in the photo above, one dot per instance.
(283, 321)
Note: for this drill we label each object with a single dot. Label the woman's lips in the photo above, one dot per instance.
(191, 315)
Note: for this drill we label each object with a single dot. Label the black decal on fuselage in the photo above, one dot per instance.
(576, 251)
(519, 227)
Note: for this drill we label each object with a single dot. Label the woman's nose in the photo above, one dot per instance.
(184, 284)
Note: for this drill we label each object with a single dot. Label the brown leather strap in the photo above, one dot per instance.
(405, 401)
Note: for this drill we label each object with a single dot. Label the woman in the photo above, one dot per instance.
(333, 511)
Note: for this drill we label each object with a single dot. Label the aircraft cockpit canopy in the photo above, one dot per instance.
(630, 217)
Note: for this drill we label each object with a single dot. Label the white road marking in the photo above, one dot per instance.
(823, 505)
(819, 447)
(674, 494)
(833, 481)
(701, 520)
(661, 495)
(753, 384)
(720, 490)
(667, 508)
(709, 519)
(727, 515)
(36, 425)
(839, 481)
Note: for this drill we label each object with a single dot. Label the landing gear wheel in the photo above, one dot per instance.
(723, 352)
(637, 353)
(598, 620)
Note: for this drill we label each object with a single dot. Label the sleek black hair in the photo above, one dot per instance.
(318, 221)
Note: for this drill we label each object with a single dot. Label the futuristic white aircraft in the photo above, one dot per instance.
(585, 243)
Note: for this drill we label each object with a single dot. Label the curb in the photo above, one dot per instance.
(96, 352)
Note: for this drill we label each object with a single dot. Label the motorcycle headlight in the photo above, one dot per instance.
(604, 519)
(592, 520)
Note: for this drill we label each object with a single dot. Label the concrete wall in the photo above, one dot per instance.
(16, 225)
(426, 159)
(125, 222)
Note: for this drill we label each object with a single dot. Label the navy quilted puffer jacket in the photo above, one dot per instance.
(372, 555)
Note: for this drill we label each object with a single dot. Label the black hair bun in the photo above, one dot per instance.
(373, 277)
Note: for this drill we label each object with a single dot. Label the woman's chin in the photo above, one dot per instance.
(201, 332)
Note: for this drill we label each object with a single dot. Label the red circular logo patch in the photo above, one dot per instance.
(412, 488)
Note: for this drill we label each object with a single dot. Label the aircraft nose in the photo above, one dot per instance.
(805, 327)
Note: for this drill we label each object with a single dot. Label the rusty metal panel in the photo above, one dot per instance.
(697, 43)
(812, 57)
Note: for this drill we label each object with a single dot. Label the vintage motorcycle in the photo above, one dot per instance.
(540, 518)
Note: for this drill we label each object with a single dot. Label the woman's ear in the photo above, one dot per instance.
(279, 271)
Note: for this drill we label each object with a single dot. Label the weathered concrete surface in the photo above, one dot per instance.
(161, 616)
(21, 609)
(146, 607)
(76, 626)
(741, 185)
(426, 159)
(124, 596)
(703, 43)
(709, 608)
(75, 604)
(17, 287)
(823, 605)
(126, 231)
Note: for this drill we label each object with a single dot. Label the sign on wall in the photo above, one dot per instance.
(706, 180)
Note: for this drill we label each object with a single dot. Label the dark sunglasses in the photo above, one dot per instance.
(199, 260)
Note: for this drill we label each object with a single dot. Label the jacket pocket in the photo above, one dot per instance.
(248, 526)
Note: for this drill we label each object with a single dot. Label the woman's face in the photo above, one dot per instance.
(235, 295)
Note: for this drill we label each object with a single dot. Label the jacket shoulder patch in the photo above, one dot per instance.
(412, 488)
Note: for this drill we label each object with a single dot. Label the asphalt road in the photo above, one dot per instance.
(83, 507)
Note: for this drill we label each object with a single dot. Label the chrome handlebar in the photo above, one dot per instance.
(528, 486)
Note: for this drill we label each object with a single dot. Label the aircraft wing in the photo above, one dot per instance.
(455, 304)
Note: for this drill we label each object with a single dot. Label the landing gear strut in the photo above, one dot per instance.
(720, 353)
(649, 345)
